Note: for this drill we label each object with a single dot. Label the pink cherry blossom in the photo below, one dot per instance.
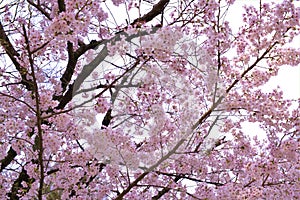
(174, 84)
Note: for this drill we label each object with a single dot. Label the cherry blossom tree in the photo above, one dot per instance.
(172, 83)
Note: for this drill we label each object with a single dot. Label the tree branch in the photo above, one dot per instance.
(165, 190)
(17, 185)
(251, 67)
(39, 8)
(61, 5)
(13, 54)
(156, 10)
(11, 154)
(38, 117)
(72, 61)
(87, 70)
(150, 169)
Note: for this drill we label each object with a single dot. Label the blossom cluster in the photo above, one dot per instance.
(98, 107)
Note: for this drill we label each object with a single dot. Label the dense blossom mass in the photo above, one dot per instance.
(136, 99)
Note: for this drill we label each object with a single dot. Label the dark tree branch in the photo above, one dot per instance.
(156, 10)
(23, 176)
(165, 190)
(72, 61)
(84, 47)
(17, 185)
(107, 118)
(66, 77)
(64, 100)
(87, 70)
(11, 154)
(40, 47)
(150, 169)
(185, 176)
(133, 184)
(39, 8)
(38, 117)
(13, 54)
(252, 66)
(61, 5)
